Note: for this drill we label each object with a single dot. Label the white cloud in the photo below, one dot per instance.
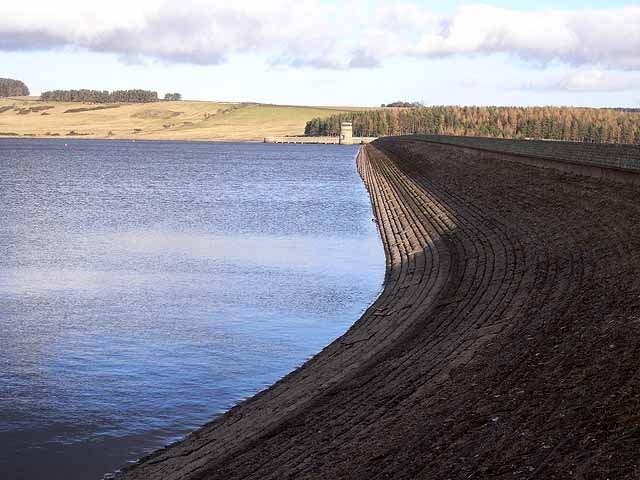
(593, 80)
(191, 31)
(609, 37)
(314, 34)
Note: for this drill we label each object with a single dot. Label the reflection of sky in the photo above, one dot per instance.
(309, 253)
(174, 253)
(141, 295)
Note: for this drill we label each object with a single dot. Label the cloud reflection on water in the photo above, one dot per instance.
(333, 256)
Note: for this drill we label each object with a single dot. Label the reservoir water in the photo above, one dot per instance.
(147, 287)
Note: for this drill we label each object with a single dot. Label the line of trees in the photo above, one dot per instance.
(402, 104)
(554, 123)
(176, 97)
(625, 109)
(13, 88)
(100, 96)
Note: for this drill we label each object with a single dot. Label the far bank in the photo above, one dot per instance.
(29, 117)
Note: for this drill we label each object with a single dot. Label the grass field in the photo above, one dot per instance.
(184, 120)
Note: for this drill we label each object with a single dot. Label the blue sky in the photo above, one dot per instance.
(332, 53)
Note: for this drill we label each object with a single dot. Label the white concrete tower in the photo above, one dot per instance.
(346, 133)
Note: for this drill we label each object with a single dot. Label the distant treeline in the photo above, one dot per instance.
(403, 104)
(554, 123)
(100, 96)
(626, 109)
(12, 88)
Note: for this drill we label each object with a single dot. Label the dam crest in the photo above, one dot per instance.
(345, 138)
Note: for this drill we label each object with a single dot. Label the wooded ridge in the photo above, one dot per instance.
(553, 123)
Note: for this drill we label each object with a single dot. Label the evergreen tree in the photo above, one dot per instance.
(13, 88)
(100, 96)
(553, 123)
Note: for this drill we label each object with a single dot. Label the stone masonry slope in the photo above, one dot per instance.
(505, 344)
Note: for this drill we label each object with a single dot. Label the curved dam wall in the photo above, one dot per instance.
(313, 140)
(505, 339)
(618, 162)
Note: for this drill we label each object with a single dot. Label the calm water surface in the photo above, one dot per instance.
(146, 287)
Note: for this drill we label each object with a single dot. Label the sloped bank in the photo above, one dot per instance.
(504, 345)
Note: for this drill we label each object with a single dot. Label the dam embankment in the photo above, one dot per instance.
(314, 140)
(505, 344)
(614, 161)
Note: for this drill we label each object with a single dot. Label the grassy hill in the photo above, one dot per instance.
(183, 120)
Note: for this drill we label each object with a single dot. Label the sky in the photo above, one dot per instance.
(346, 53)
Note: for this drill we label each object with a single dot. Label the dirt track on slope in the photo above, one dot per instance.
(506, 343)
